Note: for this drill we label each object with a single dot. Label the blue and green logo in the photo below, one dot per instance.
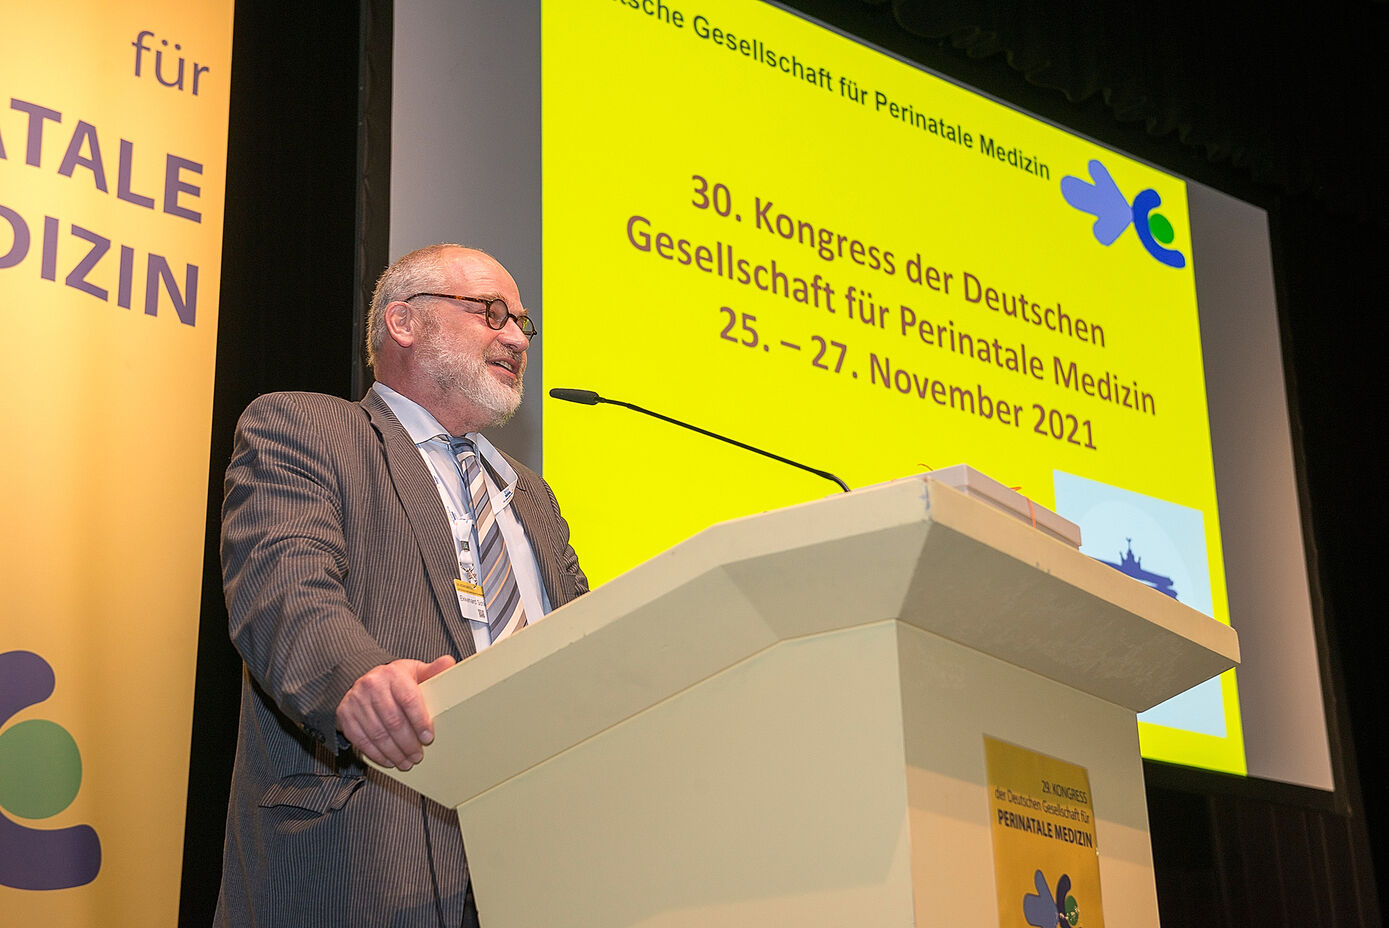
(1100, 197)
(1043, 910)
(40, 773)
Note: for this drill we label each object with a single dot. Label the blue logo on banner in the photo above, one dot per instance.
(1043, 910)
(40, 773)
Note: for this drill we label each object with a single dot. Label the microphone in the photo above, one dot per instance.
(590, 398)
(587, 397)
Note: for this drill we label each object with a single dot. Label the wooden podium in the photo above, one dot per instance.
(780, 721)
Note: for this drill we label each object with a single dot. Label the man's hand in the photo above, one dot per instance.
(383, 715)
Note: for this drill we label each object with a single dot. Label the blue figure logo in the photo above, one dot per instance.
(40, 773)
(1100, 197)
(1042, 910)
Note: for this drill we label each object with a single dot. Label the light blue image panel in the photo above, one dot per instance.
(1162, 544)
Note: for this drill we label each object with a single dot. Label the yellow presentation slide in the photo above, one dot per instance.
(759, 226)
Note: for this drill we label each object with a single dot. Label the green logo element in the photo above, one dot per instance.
(1161, 228)
(40, 769)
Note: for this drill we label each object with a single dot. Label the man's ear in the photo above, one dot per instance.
(402, 323)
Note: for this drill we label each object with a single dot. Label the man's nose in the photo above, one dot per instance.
(512, 336)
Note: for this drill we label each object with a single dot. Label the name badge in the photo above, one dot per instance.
(471, 601)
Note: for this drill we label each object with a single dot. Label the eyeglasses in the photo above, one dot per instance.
(495, 311)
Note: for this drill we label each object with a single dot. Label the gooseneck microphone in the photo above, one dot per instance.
(590, 398)
(587, 397)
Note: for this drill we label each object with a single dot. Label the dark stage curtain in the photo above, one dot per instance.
(1290, 95)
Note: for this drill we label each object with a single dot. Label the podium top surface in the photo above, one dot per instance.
(913, 550)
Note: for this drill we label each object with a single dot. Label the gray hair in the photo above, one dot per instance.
(420, 270)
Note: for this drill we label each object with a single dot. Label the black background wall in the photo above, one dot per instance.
(1280, 106)
(286, 322)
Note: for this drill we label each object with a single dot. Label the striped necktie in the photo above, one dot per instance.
(501, 595)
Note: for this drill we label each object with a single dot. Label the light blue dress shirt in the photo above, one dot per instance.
(432, 440)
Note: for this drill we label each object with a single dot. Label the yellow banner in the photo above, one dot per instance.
(113, 129)
(1046, 859)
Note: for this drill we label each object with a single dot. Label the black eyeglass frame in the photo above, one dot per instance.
(495, 321)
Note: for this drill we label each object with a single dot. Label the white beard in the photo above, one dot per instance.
(455, 370)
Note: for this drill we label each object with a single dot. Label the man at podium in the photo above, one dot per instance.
(366, 547)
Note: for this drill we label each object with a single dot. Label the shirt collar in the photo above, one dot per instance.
(420, 424)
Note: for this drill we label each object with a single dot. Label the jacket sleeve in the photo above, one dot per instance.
(284, 564)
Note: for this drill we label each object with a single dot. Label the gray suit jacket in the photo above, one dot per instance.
(337, 557)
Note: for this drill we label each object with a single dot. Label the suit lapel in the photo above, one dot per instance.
(528, 505)
(419, 497)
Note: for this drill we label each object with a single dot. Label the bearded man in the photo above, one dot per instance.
(366, 547)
